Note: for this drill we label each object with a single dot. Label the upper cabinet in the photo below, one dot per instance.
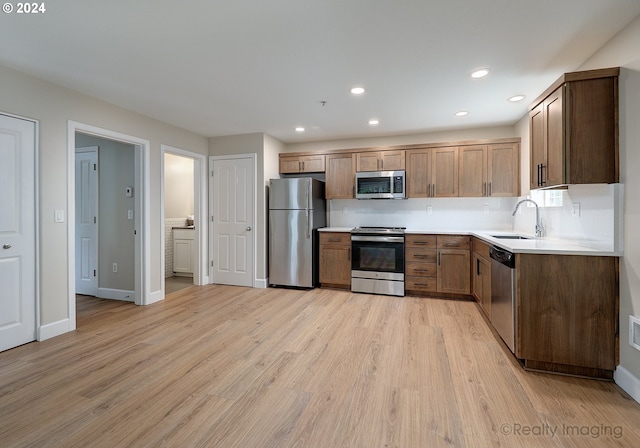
(380, 161)
(489, 170)
(574, 130)
(432, 172)
(302, 164)
(340, 176)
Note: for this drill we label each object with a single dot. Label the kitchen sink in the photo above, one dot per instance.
(510, 237)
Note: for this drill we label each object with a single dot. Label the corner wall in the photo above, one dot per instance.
(53, 106)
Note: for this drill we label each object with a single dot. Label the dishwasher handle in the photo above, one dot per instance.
(503, 256)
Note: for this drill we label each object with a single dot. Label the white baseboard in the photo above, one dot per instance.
(116, 294)
(261, 282)
(155, 296)
(628, 382)
(53, 329)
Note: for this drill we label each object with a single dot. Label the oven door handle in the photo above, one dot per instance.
(378, 239)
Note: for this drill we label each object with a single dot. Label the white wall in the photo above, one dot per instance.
(456, 135)
(624, 51)
(178, 186)
(54, 106)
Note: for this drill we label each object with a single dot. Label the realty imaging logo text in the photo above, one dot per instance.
(593, 431)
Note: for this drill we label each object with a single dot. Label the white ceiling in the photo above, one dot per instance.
(242, 66)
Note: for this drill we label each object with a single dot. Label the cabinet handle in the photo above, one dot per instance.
(478, 267)
(349, 254)
(490, 190)
(303, 167)
(421, 270)
(451, 243)
(484, 189)
(420, 243)
(420, 256)
(542, 181)
(299, 166)
(438, 258)
(422, 284)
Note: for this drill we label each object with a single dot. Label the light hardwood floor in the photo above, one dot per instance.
(221, 366)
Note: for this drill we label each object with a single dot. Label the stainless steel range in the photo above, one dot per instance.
(377, 260)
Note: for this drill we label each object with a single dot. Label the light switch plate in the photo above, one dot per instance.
(429, 209)
(130, 214)
(576, 210)
(58, 216)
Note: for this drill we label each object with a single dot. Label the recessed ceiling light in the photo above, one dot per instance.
(299, 129)
(461, 113)
(374, 122)
(481, 73)
(516, 98)
(357, 90)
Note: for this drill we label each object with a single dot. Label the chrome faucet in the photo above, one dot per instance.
(538, 224)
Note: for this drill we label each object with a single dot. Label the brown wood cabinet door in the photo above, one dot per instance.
(553, 174)
(453, 271)
(503, 170)
(392, 160)
(482, 282)
(335, 265)
(418, 173)
(473, 171)
(537, 145)
(368, 161)
(340, 176)
(289, 165)
(312, 164)
(444, 172)
(567, 310)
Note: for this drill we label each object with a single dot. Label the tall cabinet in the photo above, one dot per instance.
(573, 130)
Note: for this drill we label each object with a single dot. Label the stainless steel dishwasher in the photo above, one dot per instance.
(503, 294)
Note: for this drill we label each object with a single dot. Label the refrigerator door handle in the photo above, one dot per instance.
(308, 225)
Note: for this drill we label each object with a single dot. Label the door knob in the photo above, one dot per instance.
(6, 246)
(248, 229)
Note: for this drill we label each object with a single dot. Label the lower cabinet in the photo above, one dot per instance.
(335, 259)
(438, 264)
(183, 251)
(567, 313)
(481, 275)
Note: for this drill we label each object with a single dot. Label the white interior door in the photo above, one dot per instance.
(233, 193)
(17, 232)
(87, 221)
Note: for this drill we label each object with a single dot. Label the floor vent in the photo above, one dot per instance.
(634, 332)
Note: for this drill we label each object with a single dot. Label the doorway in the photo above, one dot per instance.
(184, 219)
(233, 209)
(140, 194)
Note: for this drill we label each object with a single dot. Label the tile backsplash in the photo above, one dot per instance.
(589, 215)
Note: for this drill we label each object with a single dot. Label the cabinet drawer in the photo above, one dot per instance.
(454, 242)
(419, 254)
(418, 269)
(335, 238)
(428, 241)
(481, 248)
(427, 284)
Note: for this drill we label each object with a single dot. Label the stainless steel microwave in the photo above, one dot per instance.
(380, 185)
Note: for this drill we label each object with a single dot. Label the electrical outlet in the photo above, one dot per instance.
(345, 210)
(130, 214)
(115, 267)
(429, 209)
(485, 208)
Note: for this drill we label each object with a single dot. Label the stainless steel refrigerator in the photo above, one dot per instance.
(296, 212)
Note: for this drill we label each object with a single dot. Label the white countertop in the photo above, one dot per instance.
(529, 246)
